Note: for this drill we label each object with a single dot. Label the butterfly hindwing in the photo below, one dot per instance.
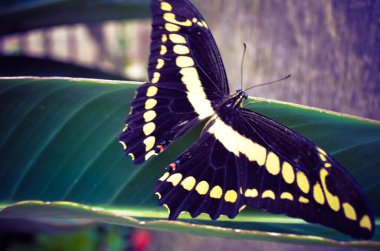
(185, 84)
(204, 179)
(268, 166)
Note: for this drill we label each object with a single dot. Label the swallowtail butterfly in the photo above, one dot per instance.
(241, 158)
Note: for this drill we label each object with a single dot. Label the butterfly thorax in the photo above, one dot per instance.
(235, 100)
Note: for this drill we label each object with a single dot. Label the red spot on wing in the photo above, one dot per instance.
(160, 148)
(173, 166)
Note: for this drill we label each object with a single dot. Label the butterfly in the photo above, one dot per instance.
(241, 158)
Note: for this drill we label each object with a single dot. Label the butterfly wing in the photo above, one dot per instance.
(204, 179)
(243, 158)
(179, 31)
(186, 80)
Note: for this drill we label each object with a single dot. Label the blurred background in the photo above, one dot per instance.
(330, 47)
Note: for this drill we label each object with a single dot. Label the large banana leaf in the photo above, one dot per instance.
(60, 161)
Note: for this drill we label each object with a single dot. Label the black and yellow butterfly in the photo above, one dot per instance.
(241, 158)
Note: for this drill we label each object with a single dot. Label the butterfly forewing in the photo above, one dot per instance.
(185, 84)
(180, 35)
(151, 126)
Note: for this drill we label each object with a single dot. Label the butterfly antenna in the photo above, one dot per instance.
(241, 66)
(269, 83)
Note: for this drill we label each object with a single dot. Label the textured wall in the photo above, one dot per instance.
(331, 48)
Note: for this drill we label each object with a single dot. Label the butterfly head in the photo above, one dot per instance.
(241, 96)
(236, 100)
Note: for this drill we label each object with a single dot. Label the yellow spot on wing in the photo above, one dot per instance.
(188, 183)
(167, 207)
(204, 24)
(242, 208)
(150, 103)
(194, 20)
(177, 39)
(202, 187)
(216, 192)
(321, 151)
(268, 194)
(287, 196)
(205, 215)
(288, 172)
(226, 135)
(318, 194)
(149, 128)
(236, 143)
(123, 144)
(170, 17)
(181, 49)
(132, 156)
(252, 193)
(163, 50)
(160, 63)
(332, 200)
(175, 178)
(164, 177)
(323, 157)
(259, 154)
(273, 163)
(349, 211)
(156, 77)
(151, 91)
(365, 222)
(159, 195)
(149, 143)
(184, 61)
(172, 27)
(164, 38)
(230, 196)
(166, 6)
(149, 115)
(327, 164)
(150, 154)
(303, 182)
(190, 78)
(303, 199)
(125, 127)
(196, 95)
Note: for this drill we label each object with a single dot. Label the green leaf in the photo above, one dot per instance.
(58, 142)
(19, 16)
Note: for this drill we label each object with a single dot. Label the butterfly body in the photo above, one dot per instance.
(241, 158)
(236, 100)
